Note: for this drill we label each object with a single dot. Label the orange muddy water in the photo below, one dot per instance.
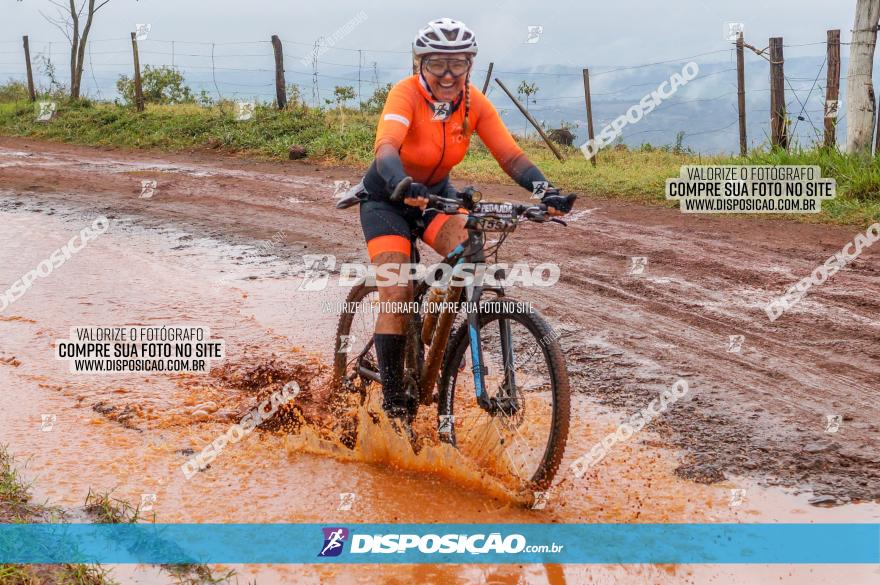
(131, 433)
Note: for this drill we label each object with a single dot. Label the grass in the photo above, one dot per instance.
(15, 507)
(627, 174)
(84, 575)
(346, 137)
(181, 127)
(60, 574)
(18, 575)
(108, 510)
(196, 575)
(14, 493)
(858, 181)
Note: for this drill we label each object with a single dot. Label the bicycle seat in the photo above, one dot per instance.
(351, 197)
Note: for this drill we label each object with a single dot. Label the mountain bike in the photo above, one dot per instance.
(491, 363)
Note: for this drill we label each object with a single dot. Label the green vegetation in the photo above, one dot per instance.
(14, 493)
(185, 126)
(108, 510)
(858, 180)
(197, 575)
(84, 575)
(15, 507)
(345, 135)
(54, 574)
(341, 95)
(376, 102)
(161, 85)
(13, 91)
(17, 575)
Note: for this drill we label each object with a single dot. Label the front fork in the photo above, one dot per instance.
(505, 400)
(479, 369)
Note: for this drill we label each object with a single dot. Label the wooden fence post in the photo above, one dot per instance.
(778, 121)
(30, 73)
(877, 133)
(138, 89)
(532, 120)
(488, 77)
(832, 92)
(280, 86)
(589, 102)
(741, 93)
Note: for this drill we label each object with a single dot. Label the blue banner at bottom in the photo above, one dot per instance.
(441, 543)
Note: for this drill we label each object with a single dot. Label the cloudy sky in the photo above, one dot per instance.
(221, 47)
(589, 32)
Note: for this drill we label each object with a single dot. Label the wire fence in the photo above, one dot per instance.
(705, 110)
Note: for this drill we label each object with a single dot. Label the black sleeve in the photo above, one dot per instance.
(529, 176)
(390, 168)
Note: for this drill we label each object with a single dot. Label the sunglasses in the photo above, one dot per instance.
(440, 67)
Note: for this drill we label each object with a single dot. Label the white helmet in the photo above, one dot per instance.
(445, 35)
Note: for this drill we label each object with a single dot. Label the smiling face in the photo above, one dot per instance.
(446, 73)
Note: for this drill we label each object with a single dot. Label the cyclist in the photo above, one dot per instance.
(424, 131)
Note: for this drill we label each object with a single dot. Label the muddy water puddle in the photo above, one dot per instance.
(132, 433)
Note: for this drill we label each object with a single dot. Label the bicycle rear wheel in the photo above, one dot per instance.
(355, 363)
(354, 357)
(523, 434)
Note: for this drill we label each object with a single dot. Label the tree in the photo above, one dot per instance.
(294, 96)
(376, 102)
(859, 84)
(527, 90)
(162, 85)
(68, 22)
(342, 94)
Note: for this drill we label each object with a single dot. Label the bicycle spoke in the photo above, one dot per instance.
(516, 432)
(475, 424)
(522, 423)
(508, 453)
(525, 393)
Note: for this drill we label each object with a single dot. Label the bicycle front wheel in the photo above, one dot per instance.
(522, 431)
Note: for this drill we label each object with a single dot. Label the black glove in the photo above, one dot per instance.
(417, 190)
(553, 198)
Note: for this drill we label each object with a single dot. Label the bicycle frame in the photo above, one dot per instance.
(470, 252)
(432, 346)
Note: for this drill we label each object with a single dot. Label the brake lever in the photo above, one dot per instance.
(538, 215)
(444, 204)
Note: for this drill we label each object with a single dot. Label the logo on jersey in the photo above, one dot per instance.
(539, 189)
(441, 110)
(334, 541)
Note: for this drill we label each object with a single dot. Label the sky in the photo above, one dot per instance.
(609, 37)
(586, 33)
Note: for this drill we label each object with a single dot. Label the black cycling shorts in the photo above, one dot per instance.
(390, 227)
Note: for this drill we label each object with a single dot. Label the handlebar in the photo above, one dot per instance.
(534, 212)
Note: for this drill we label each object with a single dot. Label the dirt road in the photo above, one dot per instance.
(221, 241)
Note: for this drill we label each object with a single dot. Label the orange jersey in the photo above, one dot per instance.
(429, 147)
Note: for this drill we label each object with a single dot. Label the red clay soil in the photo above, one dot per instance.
(759, 412)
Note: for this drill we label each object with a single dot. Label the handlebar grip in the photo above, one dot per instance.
(400, 190)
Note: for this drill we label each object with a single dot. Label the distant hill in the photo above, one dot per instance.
(704, 109)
